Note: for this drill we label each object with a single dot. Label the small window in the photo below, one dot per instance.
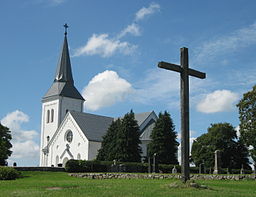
(52, 117)
(69, 136)
(48, 116)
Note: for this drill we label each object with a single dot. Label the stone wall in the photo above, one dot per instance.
(160, 176)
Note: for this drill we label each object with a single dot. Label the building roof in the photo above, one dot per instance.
(141, 117)
(93, 126)
(63, 84)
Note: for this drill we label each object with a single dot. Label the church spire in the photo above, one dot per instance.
(63, 84)
(64, 72)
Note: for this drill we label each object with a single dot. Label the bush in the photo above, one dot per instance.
(8, 173)
(87, 166)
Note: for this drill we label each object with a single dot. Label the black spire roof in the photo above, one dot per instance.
(63, 84)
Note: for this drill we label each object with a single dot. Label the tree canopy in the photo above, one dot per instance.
(164, 140)
(221, 136)
(121, 141)
(247, 116)
(5, 144)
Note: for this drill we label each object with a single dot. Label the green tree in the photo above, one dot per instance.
(221, 136)
(107, 152)
(164, 140)
(247, 116)
(5, 145)
(121, 141)
(128, 140)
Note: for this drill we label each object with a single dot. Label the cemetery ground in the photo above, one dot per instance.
(61, 184)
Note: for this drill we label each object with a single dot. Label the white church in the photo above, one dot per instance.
(69, 133)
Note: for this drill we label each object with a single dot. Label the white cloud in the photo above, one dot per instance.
(241, 38)
(157, 85)
(103, 45)
(105, 89)
(217, 101)
(25, 150)
(22, 140)
(143, 12)
(132, 29)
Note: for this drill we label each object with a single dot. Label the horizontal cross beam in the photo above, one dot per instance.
(179, 69)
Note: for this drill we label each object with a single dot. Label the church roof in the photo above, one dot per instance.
(93, 126)
(141, 117)
(63, 84)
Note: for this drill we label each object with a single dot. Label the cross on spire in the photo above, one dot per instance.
(66, 27)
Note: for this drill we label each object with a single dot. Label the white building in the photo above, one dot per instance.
(69, 133)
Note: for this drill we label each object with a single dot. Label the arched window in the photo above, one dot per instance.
(57, 160)
(48, 116)
(69, 136)
(78, 156)
(52, 115)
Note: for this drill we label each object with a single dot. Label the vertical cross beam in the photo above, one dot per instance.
(185, 72)
(184, 103)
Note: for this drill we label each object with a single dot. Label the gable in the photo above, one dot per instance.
(93, 126)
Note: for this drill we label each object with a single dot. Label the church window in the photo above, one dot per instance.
(52, 115)
(78, 156)
(69, 136)
(48, 116)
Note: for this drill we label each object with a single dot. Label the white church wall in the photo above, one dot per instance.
(61, 149)
(49, 124)
(70, 104)
(93, 149)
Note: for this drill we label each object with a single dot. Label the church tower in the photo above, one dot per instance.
(59, 99)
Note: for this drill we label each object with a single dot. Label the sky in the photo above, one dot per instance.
(115, 47)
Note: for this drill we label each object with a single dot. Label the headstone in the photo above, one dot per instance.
(174, 170)
(155, 166)
(201, 166)
(242, 169)
(217, 162)
(149, 165)
(185, 72)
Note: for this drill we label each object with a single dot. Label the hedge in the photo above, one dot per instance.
(107, 166)
(8, 173)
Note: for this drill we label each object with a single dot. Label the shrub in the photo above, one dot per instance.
(88, 166)
(8, 173)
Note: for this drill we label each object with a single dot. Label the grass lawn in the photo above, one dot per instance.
(60, 184)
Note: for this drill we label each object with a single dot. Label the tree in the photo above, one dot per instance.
(107, 152)
(247, 117)
(164, 140)
(5, 145)
(121, 141)
(221, 136)
(128, 140)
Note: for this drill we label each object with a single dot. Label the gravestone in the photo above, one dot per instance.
(216, 162)
(155, 165)
(149, 165)
(174, 170)
(242, 169)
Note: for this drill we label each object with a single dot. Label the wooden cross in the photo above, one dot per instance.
(66, 27)
(184, 71)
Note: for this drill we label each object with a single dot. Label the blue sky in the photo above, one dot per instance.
(115, 47)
